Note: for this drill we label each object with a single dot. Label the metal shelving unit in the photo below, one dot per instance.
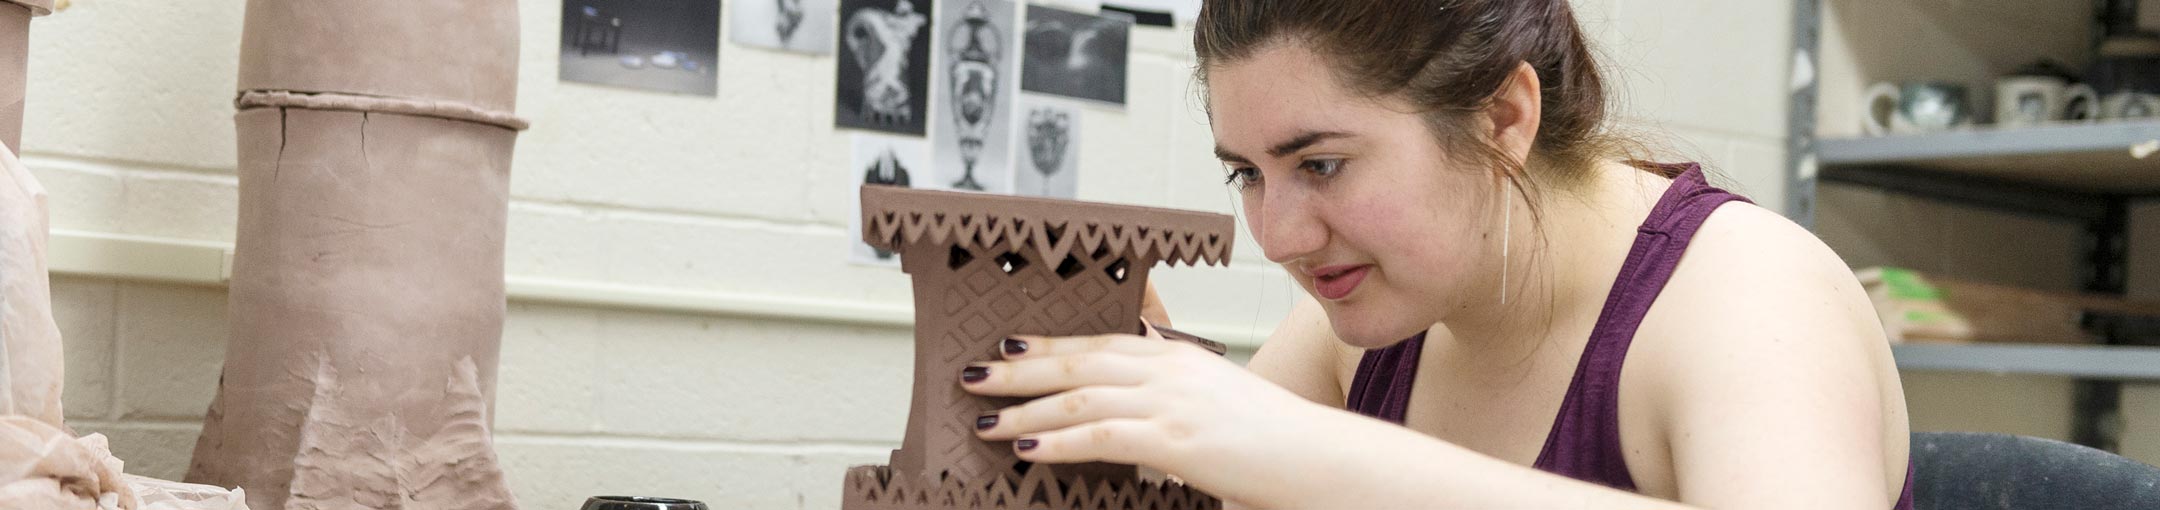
(2098, 158)
(2081, 361)
(2090, 174)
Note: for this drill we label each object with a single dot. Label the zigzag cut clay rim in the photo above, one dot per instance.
(894, 216)
(881, 488)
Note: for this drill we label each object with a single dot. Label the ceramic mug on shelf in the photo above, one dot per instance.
(1916, 107)
(2130, 105)
(2031, 100)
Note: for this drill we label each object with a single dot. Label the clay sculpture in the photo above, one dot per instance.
(367, 290)
(988, 266)
(31, 364)
(15, 64)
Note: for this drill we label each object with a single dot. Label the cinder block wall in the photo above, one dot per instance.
(129, 125)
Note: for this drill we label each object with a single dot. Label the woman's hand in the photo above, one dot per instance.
(1147, 401)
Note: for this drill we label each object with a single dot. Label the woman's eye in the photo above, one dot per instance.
(1242, 177)
(1322, 167)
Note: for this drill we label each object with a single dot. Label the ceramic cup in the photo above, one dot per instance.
(2128, 105)
(1917, 107)
(639, 503)
(2025, 101)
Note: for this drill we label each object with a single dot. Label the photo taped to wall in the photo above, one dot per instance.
(1075, 55)
(1050, 131)
(884, 66)
(881, 160)
(975, 89)
(800, 26)
(658, 45)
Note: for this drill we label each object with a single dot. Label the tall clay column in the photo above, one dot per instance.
(31, 364)
(367, 293)
(15, 64)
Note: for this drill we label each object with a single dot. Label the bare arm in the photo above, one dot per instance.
(1303, 356)
(1781, 392)
(1773, 396)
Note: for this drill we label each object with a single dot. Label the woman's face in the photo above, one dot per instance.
(1354, 196)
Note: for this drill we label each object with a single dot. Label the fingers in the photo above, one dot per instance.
(1025, 346)
(1032, 376)
(1065, 410)
(1123, 441)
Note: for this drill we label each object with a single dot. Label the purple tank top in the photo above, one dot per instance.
(1584, 442)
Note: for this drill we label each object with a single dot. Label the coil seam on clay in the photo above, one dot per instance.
(377, 104)
(36, 7)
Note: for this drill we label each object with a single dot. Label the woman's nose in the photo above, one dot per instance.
(1287, 226)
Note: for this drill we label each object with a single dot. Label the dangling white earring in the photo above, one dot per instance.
(1507, 239)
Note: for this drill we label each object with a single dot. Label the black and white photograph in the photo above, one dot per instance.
(881, 160)
(800, 26)
(1182, 10)
(658, 45)
(1050, 135)
(1075, 55)
(884, 75)
(975, 91)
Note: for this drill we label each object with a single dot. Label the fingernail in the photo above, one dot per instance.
(1015, 347)
(974, 374)
(1024, 444)
(986, 421)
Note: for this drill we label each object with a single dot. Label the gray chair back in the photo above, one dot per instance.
(1975, 471)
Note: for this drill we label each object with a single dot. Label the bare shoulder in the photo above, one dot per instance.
(1304, 356)
(1763, 328)
(1757, 289)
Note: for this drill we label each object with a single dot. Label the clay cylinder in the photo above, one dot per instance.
(463, 52)
(367, 290)
(31, 365)
(14, 68)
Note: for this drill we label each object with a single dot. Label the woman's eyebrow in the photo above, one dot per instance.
(1298, 143)
(1302, 141)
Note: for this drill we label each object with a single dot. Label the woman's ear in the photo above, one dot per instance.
(1514, 111)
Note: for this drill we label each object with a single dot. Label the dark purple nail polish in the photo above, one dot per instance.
(1024, 444)
(1015, 347)
(986, 421)
(974, 374)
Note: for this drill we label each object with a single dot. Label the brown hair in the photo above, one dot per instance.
(1449, 58)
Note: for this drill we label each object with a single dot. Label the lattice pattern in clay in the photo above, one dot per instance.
(986, 267)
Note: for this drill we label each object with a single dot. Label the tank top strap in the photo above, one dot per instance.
(1585, 439)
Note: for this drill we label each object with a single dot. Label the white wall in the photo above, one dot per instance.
(129, 125)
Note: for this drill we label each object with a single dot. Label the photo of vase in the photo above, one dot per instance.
(974, 75)
(1052, 142)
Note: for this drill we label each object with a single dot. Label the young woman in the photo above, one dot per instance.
(1506, 314)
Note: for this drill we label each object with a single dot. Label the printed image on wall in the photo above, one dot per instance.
(881, 160)
(1050, 130)
(658, 45)
(975, 95)
(1075, 55)
(801, 26)
(884, 75)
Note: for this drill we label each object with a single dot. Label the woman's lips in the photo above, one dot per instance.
(1336, 283)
